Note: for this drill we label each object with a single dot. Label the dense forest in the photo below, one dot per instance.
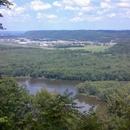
(82, 35)
(121, 48)
(20, 110)
(101, 89)
(66, 64)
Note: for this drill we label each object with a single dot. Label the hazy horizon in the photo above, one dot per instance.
(4, 31)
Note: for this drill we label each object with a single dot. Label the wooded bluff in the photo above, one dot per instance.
(83, 35)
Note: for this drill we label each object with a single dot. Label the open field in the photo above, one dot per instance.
(87, 48)
(91, 48)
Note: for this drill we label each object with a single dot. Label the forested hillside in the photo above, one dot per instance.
(89, 35)
(121, 48)
(66, 64)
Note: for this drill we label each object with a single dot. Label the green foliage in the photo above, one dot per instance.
(92, 48)
(13, 103)
(64, 64)
(119, 110)
(83, 35)
(101, 89)
(121, 47)
(41, 99)
(68, 46)
(90, 121)
(60, 112)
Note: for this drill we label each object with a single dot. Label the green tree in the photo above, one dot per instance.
(119, 110)
(58, 114)
(14, 101)
(90, 121)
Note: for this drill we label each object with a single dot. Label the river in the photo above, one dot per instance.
(34, 85)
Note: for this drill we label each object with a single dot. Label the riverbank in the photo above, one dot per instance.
(28, 77)
(101, 89)
(34, 85)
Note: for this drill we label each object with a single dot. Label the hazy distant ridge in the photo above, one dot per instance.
(93, 35)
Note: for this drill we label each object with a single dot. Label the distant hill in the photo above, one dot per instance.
(123, 47)
(92, 35)
(12, 32)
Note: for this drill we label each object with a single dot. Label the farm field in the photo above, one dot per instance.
(87, 48)
(92, 48)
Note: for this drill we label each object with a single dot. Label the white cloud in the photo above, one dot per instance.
(39, 5)
(125, 0)
(15, 14)
(23, 18)
(108, 1)
(77, 19)
(44, 16)
(76, 2)
(123, 4)
(99, 12)
(58, 4)
(83, 10)
(93, 19)
(111, 15)
(71, 8)
(81, 2)
(87, 8)
(104, 5)
(127, 13)
(19, 9)
(86, 18)
(67, 2)
(80, 13)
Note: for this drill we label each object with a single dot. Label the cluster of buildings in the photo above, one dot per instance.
(51, 43)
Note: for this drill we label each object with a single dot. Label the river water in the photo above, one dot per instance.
(34, 85)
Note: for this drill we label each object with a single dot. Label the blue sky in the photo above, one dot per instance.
(66, 15)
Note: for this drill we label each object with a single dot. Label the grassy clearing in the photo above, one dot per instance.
(91, 48)
(88, 48)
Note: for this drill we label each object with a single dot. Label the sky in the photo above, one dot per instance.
(27, 15)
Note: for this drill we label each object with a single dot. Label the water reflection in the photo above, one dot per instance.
(90, 100)
(34, 85)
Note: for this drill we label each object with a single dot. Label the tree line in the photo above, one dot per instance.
(101, 89)
(82, 35)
